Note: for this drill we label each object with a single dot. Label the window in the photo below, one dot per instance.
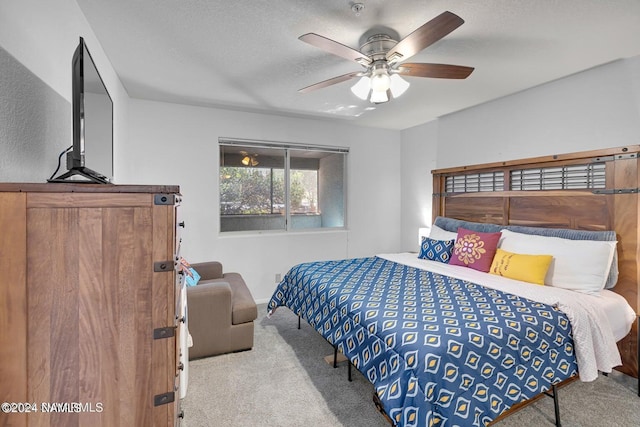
(273, 186)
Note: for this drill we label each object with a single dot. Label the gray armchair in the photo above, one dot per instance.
(220, 312)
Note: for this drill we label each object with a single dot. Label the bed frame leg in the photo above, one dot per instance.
(556, 405)
(349, 364)
(298, 321)
(335, 357)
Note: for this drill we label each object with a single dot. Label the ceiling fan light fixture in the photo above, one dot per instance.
(249, 161)
(362, 88)
(378, 97)
(380, 81)
(398, 85)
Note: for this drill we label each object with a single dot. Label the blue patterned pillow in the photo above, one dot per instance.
(436, 250)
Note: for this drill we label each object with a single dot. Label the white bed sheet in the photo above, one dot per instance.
(597, 322)
(620, 314)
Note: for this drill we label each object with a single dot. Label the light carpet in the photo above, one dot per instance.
(284, 381)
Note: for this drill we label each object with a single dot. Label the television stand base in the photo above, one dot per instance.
(92, 177)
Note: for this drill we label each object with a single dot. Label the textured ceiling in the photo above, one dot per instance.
(246, 55)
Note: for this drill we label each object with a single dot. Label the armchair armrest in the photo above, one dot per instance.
(208, 303)
(208, 270)
(209, 318)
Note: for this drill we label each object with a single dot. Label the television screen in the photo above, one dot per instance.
(97, 142)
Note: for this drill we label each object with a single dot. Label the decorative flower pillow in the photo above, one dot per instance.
(474, 249)
(436, 250)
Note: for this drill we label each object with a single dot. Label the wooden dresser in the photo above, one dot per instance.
(88, 301)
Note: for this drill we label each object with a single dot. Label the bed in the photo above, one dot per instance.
(451, 345)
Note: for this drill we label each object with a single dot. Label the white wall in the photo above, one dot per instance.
(595, 109)
(178, 145)
(418, 157)
(34, 124)
(42, 36)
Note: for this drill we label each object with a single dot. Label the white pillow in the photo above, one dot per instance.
(578, 265)
(438, 233)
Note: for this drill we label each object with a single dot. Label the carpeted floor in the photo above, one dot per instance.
(284, 381)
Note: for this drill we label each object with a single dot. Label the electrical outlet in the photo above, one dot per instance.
(278, 277)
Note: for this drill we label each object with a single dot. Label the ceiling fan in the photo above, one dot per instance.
(381, 56)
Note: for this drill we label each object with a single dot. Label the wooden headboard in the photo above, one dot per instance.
(591, 190)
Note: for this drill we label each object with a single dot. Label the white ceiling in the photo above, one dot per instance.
(246, 55)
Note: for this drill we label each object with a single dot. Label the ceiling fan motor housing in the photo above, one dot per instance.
(377, 46)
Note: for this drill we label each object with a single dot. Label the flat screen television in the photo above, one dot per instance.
(90, 158)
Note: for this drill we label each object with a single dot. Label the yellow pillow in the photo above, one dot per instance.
(527, 268)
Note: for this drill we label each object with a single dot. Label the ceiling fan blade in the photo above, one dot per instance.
(332, 81)
(425, 36)
(437, 71)
(335, 48)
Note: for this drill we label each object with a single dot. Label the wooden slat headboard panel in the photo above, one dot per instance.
(614, 207)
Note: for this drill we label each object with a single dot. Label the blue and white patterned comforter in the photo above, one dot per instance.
(438, 350)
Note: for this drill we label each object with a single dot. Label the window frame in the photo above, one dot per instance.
(287, 147)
